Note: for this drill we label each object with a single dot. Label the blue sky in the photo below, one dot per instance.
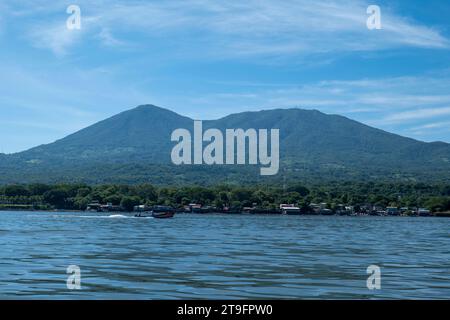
(207, 59)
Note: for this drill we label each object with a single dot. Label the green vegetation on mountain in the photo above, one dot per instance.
(134, 147)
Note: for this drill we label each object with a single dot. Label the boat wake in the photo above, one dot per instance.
(113, 216)
(118, 216)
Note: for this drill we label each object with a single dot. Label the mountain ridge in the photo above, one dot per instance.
(313, 145)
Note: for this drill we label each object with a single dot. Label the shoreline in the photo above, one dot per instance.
(432, 215)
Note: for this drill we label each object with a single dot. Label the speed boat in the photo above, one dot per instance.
(159, 212)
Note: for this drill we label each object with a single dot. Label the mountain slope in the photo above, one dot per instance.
(134, 146)
(137, 134)
(310, 134)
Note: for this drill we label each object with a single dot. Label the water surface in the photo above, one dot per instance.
(222, 256)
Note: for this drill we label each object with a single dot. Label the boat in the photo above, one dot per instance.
(159, 212)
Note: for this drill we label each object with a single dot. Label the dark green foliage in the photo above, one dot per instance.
(77, 196)
(128, 202)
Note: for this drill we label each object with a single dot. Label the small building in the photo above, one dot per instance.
(423, 212)
(94, 206)
(193, 208)
(289, 209)
(392, 211)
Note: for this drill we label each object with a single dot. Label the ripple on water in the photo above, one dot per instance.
(222, 257)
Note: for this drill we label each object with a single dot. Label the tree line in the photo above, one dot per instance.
(435, 197)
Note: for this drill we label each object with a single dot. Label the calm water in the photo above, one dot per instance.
(219, 256)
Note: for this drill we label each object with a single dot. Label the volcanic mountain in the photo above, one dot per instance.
(135, 146)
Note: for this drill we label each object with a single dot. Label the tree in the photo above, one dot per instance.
(147, 192)
(438, 204)
(38, 189)
(16, 190)
(300, 189)
(56, 197)
(128, 202)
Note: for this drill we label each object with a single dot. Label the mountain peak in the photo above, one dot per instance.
(148, 107)
(151, 110)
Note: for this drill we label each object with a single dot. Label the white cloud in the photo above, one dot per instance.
(253, 27)
(269, 27)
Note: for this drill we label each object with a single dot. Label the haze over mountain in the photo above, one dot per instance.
(134, 147)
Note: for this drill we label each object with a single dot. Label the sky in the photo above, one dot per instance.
(210, 58)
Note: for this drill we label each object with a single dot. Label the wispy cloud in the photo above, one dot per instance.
(394, 104)
(436, 129)
(253, 27)
(108, 39)
(55, 37)
(443, 124)
(393, 94)
(417, 114)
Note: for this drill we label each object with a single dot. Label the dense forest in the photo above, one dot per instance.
(77, 196)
